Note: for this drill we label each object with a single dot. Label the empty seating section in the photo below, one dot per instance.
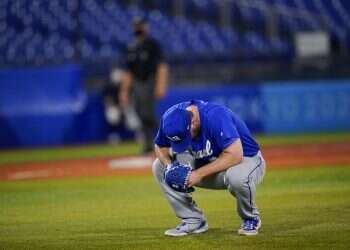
(39, 32)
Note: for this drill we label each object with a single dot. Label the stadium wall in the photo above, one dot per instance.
(278, 107)
(49, 106)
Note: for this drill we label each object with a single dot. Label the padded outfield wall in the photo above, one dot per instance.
(48, 106)
(278, 107)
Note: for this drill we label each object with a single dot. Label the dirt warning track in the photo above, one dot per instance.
(307, 155)
(278, 156)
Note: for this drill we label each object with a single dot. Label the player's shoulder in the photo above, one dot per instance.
(215, 109)
(217, 117)
(216, 114)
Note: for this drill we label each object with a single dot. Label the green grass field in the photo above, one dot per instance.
(301, 209)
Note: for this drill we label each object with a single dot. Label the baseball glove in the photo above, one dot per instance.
(176, 176)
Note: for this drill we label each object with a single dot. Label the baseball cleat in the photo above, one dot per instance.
(250, 227)
(185, 228)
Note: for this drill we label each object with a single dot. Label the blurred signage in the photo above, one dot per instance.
(278, 107)
(312, 44)
(48, 106)
(297, 107)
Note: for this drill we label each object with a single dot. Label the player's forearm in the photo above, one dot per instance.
(162, 154)
(231, 156)
(161, 80)
(223, 162)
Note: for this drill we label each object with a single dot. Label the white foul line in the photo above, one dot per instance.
(29, 174)
(130, 162)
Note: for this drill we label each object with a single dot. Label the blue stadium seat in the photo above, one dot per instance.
(97, 29)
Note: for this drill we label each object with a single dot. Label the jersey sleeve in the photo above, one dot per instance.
(223, 128)
(160, 138)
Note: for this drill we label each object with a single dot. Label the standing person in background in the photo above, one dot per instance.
(146, 73)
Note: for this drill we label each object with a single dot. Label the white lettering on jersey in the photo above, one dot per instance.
(174, 138)
(207, 151)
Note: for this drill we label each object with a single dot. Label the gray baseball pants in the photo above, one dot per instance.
(240, 180)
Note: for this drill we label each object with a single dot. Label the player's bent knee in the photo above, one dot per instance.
(235, 181)
(157, 169)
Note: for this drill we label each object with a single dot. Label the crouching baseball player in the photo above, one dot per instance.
(206, 145)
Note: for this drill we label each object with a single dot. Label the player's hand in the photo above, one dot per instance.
(123, 98)
(194, 178)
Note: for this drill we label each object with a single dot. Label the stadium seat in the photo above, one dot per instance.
(100, 30)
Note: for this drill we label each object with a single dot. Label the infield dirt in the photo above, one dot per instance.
(276, 156)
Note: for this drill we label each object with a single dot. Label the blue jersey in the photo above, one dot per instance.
(219, 128)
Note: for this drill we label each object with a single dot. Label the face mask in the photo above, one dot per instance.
(139, 32)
